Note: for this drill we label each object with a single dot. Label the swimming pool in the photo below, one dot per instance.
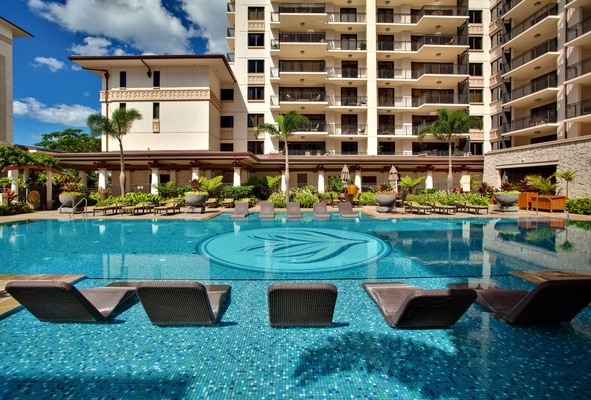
(360, 357)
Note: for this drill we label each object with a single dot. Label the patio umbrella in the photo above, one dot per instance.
(345, 175)
(393, 178)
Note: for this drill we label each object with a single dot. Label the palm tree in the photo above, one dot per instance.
(286, 125)
(446, 128)
(568, 176)
(118, 126)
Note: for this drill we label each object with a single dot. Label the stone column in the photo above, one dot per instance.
(237, 171)
(103, 178)
(194, 173)
(283, 186)
(155, 180)
(49, 189)
(13, 175)
(429, 180)
(83, 178)
(465, 181)
(320, 181)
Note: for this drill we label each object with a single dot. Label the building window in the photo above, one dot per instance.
(122, 79)
(256, 66)
(256, 40)
(496, 66)
(475, 69)
(497, 93)
(156, 78)
(123, 106)
(496, 11)
(256, 147)
(256, 93)
(255, 120)
(156, 110)
(475, 16)
(476, 96)
(226, 121)
(496, 39)
(256, 13)
(226, 146)
(475, 42)
(227, 94)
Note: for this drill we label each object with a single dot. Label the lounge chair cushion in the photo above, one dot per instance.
(346, 210)
(182, 303)
(301, 304)
(293, 210)
(267, 210)
(56, 301)
(406, 306)
(320, 210)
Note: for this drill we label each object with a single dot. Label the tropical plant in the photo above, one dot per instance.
(579, 206)
(236, 192)
(70, 184)
(305, 198)
(543, 185)
(335, 184)
(5, 182)
(166, 190)
(205, 186)
(408, 184)
(278, 199)
(286, 125)
(367, 199)
(118, 126)
(446, 128)
(262, 188)
(567, 176)
(383, 188)
(12, 155)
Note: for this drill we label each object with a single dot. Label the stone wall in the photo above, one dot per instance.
(572, 153)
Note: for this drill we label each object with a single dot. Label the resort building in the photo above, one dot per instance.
(8, 32)
(368, 75)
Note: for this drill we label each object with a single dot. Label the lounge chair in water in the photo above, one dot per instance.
(406, 306)
(293, 210)
(346, 210)
(267, 210)
(550, 302)
(56, 301)
(301, 304)
(320, 210)
(240, 210)
(182, 303)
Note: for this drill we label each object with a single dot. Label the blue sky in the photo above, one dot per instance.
(51, 93)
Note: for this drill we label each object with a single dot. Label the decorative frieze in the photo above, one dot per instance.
(227, 134)
(476, 82)
(156, 95)
(7, 40)
(476, 135)
(258, 79)
(475, 29)
(495, 80)
(495, 25)
(156, 126)
(258, 26)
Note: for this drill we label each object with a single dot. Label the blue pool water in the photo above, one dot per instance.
(242, 357)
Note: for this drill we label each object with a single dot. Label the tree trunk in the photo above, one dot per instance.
(286, 173)
(122, 174)
(450, 177)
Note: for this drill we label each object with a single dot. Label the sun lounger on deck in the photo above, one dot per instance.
(172, 205)
(56, 301)
(551, 301)
(346, 210)
(182, 303)
(227, 202)
(406, 306)
(240, 211)
(293, 210)
(301, 304)
(443, 208)
(267, 210)
(320, 210)
(413, 206)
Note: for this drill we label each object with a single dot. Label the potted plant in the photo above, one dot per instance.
(71, 190)
(201, 189)
(363, 45)
(385, 195)
(506, 198)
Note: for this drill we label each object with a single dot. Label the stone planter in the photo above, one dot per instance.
(71, 200)
(196, 201)
(386, 200)
(506, 200)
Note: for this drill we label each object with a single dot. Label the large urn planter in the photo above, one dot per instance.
(70, 200)
(386, 200)
(505, 199)
(195, 200)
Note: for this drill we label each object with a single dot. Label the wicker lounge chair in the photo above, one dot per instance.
(552, 301)
(182, 303)
(320, 210)
(293, 210)
(240, 211)
(227, 202)
(267, 210)
(346, 210)
(475, 208)
(173, 205)
(212, 202)
(115, 208)
(405, 306)
(443, 208)
(56, 301)
(301, 304)
(414, 207)
(143, 207)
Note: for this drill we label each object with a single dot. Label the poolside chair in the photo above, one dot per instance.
(144, 207)
(240, 211)
(550, 302)
(474, 207)
(301, 304)
(320, 210)
(414, 207)
(56, 301)
(227, 202)
(346, 210)
(442, 208)
(406, 306)
(212, 202)
(293, 210)
(172, 205)
(267, 210)
(182, 303)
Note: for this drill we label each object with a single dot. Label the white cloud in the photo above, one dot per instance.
(53, 64)
(210, 16)
(93, 46)
(143, 24)
(71, 115)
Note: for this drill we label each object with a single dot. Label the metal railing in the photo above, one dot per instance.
(72, 210)
(346, 44)
(302, 96)
(407, 18)
(439, 98)
(346, 17)
(230, 7)
(553, 202)
(578, 69)
(578, 109)
(540, 118)
(548, 81)
(533, 19)
(508, 5)
(350, 129)
(440, 69)
(533, 53)
(347, 72)
(344, 101)
(578, 29)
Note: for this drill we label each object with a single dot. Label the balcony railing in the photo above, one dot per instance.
(347, 44)
(230, 7)
(398, 73)
(399, 130)
(439, 40)
(541, 14)
(530, 121)
(346, 17)
(548, 81)
(352, 101)
(314, 152)
(509, 4)
(302, 8)
(439, 98)
(230, 32)
(302, 37)
(299, 67)
(440, 69)
(347, 72)
(578, 69)
(400, 101)
(578, 109)
(578, 29)
(350, 129)
(315, 126)
(302, 96)
(406, 18)
(532, 54)
(230, 57)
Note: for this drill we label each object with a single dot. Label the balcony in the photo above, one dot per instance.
(579, 73)
(348, 101)
(292, 44)
(534, 19)
(291, 15)
(426, 48)
(545, 56)
(346, 45)
(293, 72)
(349, 130)
(579, 112)
(347, 73)
(231, 13)
(448, 17)
(542, 122)
(230, 37)
(394, 130)
(294, 96)
(575, 33)
(543, 89)
(400, 101)
(346, 18)
(440, 98)
(230, 57)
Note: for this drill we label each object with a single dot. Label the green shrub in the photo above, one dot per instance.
(278, 199)
(134, 198)
(449, 198)
(15, 208)
(578, 205)
(367, 199)
(236, 192)
(305, 199)
(335, 184)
